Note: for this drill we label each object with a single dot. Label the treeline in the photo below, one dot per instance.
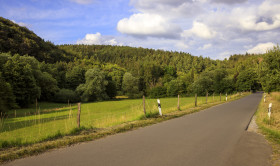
(96, 72)
(165, 73)
(24, 79)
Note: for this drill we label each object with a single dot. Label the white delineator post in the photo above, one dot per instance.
(264, 98)
(269, 110)
(226, 96)
(159, 107)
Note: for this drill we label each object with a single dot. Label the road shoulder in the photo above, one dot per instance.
(252, 149)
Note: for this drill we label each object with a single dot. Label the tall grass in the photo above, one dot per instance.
(51, 120)
(273, 122)
(271, 126)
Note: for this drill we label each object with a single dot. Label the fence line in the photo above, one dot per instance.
(52, 121)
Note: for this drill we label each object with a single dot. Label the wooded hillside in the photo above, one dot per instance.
(34, 69)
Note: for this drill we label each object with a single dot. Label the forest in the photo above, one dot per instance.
(32, 69)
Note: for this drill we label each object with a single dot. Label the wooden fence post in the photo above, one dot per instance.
(178, 105)
(36, 106)
(144, 108)
(206, 96)
(79, 114)
(195, 102)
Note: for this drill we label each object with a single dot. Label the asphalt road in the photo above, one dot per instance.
(214, 137)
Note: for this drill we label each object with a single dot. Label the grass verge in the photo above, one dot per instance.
(270, 127)
(88, 134)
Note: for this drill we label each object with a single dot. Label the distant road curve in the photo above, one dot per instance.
(214, 137)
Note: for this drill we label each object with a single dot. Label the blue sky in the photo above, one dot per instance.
(211, 28)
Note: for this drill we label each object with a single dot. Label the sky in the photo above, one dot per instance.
(208, 28)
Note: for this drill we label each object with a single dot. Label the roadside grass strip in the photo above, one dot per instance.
(270, 127)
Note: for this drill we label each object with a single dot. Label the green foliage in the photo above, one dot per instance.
(130, 85)
(271, 70)
(111, 88)
(203, 84)
(18, 71)
(115, 73)
(95, 86)
(65, 95)
(75, 77)
(47, 84)
(247, 80)
(175, 87)
(7, 98)
(157, 92)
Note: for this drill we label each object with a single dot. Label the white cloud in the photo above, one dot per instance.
(169, 8)
(91, 39)
(205, 46)
(200, 30)
(261, 48)
(97, 39)
(224, 55)
(262, 17)
(182, 46)
(111, 42)
(229, 25)
(21, 24)
(145, 24)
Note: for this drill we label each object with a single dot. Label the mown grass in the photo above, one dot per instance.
(57, 127)
(270, 127)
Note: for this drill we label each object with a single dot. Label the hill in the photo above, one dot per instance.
(20, 40)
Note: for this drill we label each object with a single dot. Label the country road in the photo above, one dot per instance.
(214, 137)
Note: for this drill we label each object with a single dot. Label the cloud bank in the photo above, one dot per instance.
(261, 48)
(212, 28)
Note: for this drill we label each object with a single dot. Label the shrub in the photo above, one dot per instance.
(157, 92)
(63, 95)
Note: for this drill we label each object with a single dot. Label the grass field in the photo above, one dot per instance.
(270, 127)
(52, 120)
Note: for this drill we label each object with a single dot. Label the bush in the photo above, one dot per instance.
(63, 95)
(157, 92)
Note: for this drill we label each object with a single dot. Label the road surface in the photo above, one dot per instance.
(214, 137)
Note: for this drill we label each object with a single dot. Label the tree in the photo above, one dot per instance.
(65, 95)
(111, 88)
(218, 76)
(115, 73)
(271, 70)
(95, 86)
(7, 98)
(18, 72)
(247, 80)
(157, 92)
(75, 77)
(175, 87)
(130, 85)
(203, 84)
(48, 86)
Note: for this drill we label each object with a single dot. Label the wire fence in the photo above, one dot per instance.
(30, 127)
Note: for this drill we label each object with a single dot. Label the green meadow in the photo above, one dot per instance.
(51, 120)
